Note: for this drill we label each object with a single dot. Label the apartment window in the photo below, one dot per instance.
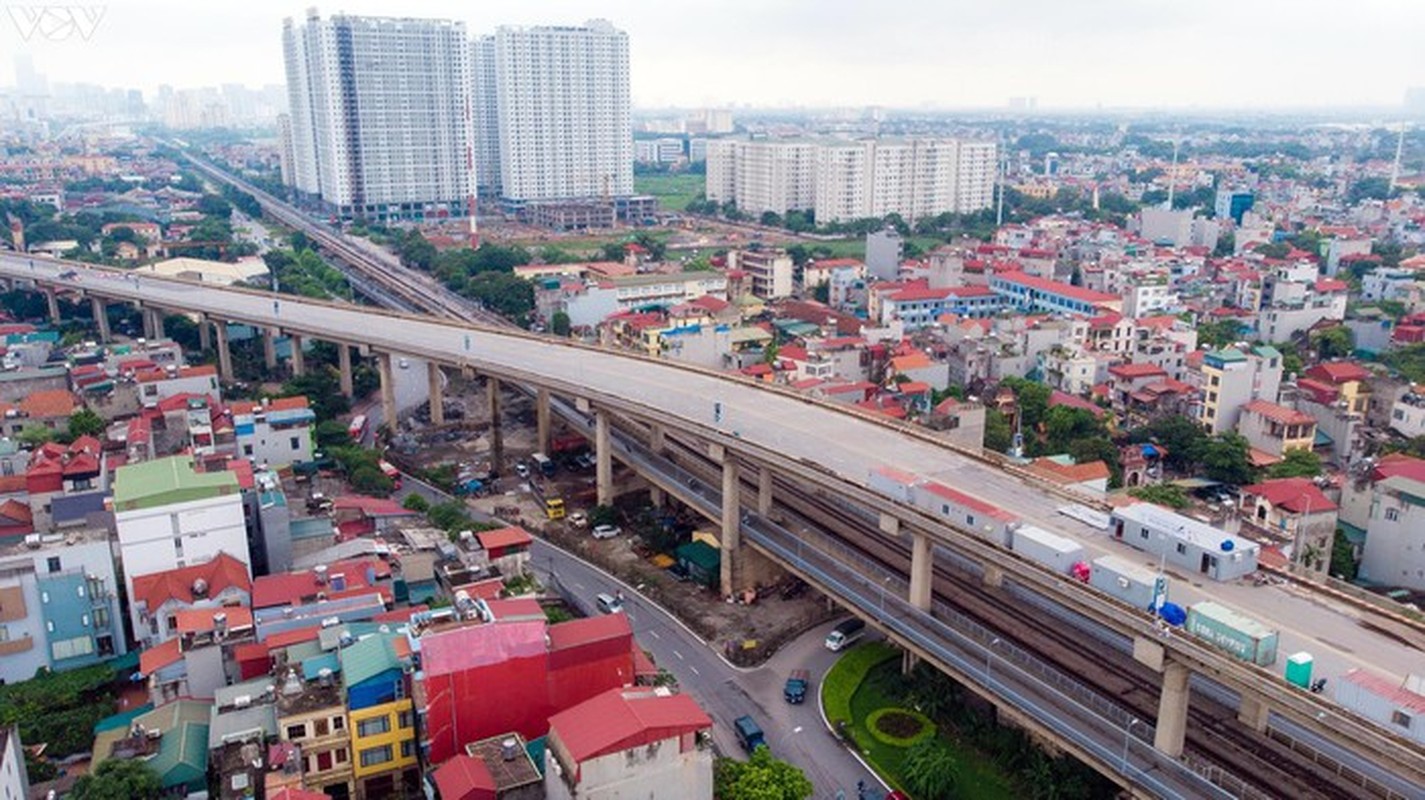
(338, 723)
(1182, 549)
(373, 726)
(53, 564)
(408, 748)
(1392, 514)
(376, 755)
(296, 443)
(101, 618)
(178, 546)
(295, 732)
(340, 755)
(319, 727)
(324, 762)
(1400, 718)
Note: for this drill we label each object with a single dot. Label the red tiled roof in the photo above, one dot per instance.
(1069, 473)
(577, 632)
(219, 573)
(288, 403)
(1331, 285)
(1058, 398)
(1297, 495)
(243, 469)
(371, 506)
(1282, 414)
(1055, 287)
(1320, 392)
(49, 403)
(1399, 464)
(512, 536)
(17, 512)
(464, 777)
(200, 620)
(972, 503)
(294, 636)
(1136, 370)
(156, 658)
(1339, 372)
(1394, 693)
(289, 588)
(623, 718)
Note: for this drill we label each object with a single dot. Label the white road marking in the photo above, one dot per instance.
(678, 654)
(797, 729)
(695, 670)
(654, 634)
(579, 586)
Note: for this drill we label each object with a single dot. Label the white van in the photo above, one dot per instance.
(608, 604)
(845, 634)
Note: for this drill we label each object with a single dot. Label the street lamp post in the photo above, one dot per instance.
(989, 654)
(884, 581)
(1127, 734)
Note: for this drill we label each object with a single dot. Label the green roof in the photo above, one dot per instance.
(1266, 351)
(182, 757)
(165, 481)
(366, 659)
(1229, 354)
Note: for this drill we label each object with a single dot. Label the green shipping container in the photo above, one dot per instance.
(1233, 632)
(1298, 670)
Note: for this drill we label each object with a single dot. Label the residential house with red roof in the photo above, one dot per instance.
(1296, 512)
(276, 432)
(1090, 478)
(1032, 293)
(162, 383)
(159, 597)
(1273, 429)
(639, 742)
(1383, 514)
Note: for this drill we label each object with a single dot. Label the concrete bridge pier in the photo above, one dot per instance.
(101, 317)
(731, 522)
(52, 301)
(437, 390)
(922, 570)
(225, 355)
(269, 348)
(343, 358)
(388, 388)
(299, 358)
(1172, 710)
(655, 439)
(603, 459)
(497, 433)
(541, 420)
(205, 334)
(764, 491)
(1253, 712)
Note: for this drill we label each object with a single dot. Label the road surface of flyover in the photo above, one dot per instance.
(814, 442)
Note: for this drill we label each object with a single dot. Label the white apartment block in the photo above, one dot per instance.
(769, 272)
(762, 176)
(564, 112)
(485, 108)
(851, 180)
(381, 123)
(658, 151)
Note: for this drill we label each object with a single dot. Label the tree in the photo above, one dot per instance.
(931, 769)
(449, 516)
(559, 323)
(1343, 557)
(1222, 333)
(368, 479)
(1065, 425)
(332, 433)
(416, 251)
(821, 293)
(1033, 399)
(1164, 494)
(1099, 448)
(415, 502)
(761, 777)
(1368, 189)
(34, 435)
(210, 205)
(1276, 250)
(1225, 459)
(1296, 464)
(1334, 342)
(603, 515)
(1179, 436)
(502, 292)
(998, 436)
(119, 779)
(85, 422)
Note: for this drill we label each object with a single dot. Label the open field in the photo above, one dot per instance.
(674, 192)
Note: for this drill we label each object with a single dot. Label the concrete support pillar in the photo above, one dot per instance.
(603, 458)
(52, 301)
(541, 420)
(1253, 712)
(158, 315)
(205, 334)
(437, 390)
(388, 390)
(993, 576)
(269, 348)
(225, 356)
(497, 433)
(922, 570)
(1172, 710)
(764, 491)
(343, 360)
(101, 317)
(908, 662)
(655, 438)
(731, 526)
(299, 359)
(146, 317)
(656, 497)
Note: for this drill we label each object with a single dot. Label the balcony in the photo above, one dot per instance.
(11, 647)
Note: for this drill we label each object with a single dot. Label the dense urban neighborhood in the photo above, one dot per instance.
(1011, 431)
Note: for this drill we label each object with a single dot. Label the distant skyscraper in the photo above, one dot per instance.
(565, 130)
(486, 107)
(381, 121)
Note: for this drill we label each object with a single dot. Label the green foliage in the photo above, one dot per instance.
(602, 515)
(450, 516)
(416, 251)
(1409, 361)
(821, 293)
(1179, 436)
(119, 779)
(242, 201)
(304, 273)
(39, 771)
(371, 480)
(1033, 399)
(332, 433)
(931, 770)
(1064, 425)
(84, 422)
(761, 777)
(322, 388)
(34, 435)
(1225, 459)
(1164, 494)
(1334, 342)
(1343, 557)
(1296, 464)
(1368, 189)
(415, 502)
(559, 324)
(999, 437)
(878, 717)
(1221, 333)
(502, 292)
(1277, 250)
(1099, 448)
(211, 205)
(846, 675)
(59, 709)
(1226, 245)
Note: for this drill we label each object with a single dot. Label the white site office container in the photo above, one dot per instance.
(1051, 550)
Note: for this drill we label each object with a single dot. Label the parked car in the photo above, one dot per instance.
(522, 471)
(578, 519)
(606, 531)
(608, 604)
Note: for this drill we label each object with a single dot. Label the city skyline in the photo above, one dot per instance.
(1107, 53)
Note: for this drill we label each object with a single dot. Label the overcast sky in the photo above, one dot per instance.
(896, 53)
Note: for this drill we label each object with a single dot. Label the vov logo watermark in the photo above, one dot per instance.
(55, 23)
